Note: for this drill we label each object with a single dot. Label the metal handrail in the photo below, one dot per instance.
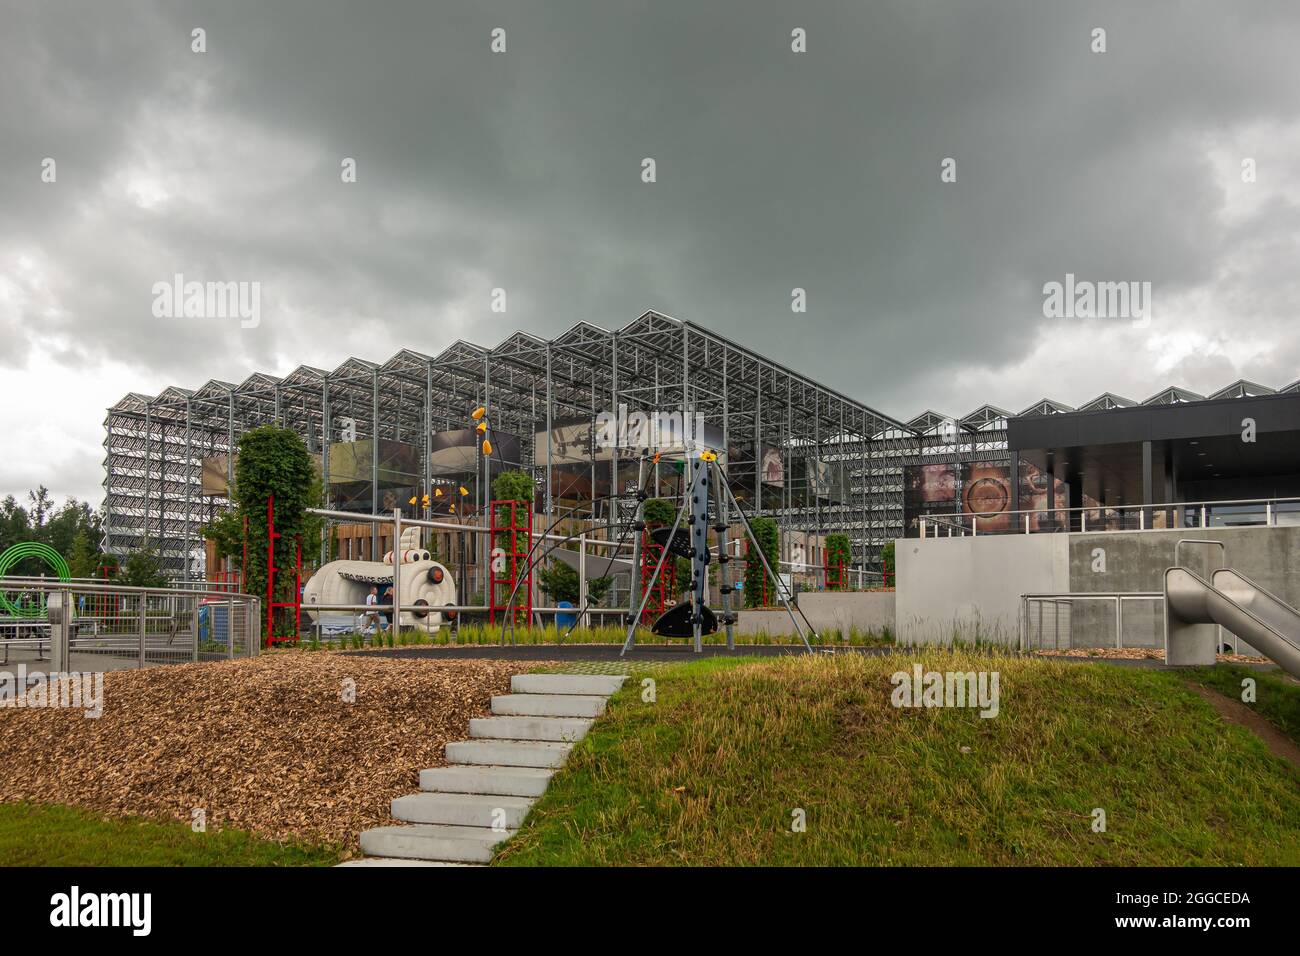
(472, 527)
(1067, 597)
(964, 521)
(54, 584)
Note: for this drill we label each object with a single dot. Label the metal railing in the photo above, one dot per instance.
(1042, 615)
(1164, 516)
(95, 626)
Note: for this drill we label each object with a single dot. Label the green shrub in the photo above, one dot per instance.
(768, 536)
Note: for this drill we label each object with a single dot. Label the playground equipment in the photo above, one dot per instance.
(694, 618)
(1195, 608)
(428, 592)
(30, 549)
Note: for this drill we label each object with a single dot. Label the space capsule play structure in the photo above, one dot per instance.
(422, 581)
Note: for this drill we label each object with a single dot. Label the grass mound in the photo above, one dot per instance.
(712, 772)
(1277, 699)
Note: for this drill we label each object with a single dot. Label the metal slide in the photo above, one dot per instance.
(1194, 608)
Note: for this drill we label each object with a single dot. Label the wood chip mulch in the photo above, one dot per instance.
(267, 744)
(1141, 654)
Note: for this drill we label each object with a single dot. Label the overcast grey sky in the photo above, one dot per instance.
(521, 170)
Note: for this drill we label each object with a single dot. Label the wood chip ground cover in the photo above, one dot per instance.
(268, 745)
(1141, 654)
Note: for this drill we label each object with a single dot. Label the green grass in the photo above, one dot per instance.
(52, 835)
(710, 773)
(1276, 699)
(481, 633)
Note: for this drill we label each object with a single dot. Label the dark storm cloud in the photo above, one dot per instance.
(776, 170)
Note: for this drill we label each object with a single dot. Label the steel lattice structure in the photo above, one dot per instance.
(155, 446)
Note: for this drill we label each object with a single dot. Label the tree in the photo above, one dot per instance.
(768, 536)
(143, 569)
(64, 526)
(838, 556)
(660, 513)
(226, 531)
(887, 561)
(274, 462)
(60, 529)
(560, 582)
(514, 486)
(85, 557)
(41, 503)
(14, 523)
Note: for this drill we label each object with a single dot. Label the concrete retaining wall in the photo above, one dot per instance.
(826, 611)
(965, 587)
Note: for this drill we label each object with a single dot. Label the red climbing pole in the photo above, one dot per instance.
(508, 563)
(271, 571)
(665, 586)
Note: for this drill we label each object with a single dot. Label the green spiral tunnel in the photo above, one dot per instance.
(19, 552)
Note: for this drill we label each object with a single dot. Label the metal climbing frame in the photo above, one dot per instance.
(271, 571)
(664, 585)
(512, 538)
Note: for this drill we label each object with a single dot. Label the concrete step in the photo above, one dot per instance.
(430, 841)
(548, 705)
(394, 861)
(565, 729)
(462, 809)
(509, 753)
(501, 781)
(600, 685)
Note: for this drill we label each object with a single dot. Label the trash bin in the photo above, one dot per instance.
(565, 621)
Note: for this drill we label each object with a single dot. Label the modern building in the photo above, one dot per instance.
(812, 458)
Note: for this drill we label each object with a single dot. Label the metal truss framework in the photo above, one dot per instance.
(155, 446)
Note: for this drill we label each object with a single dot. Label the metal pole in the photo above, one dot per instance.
(758, 441)
(189, 495)
(396, 594)
(550, 409)
(485, 498)
(780, 589)
(374, 462)
(724, 557)
(613, 460)
(638, 522)
(144, 623)
(582, 578)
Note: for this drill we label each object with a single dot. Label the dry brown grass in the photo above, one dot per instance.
(267, 745)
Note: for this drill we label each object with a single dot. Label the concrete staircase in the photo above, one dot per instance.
(480, 799)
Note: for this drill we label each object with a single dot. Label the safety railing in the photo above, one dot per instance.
(1165, 516)
(96, 626)
(1053, 622)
